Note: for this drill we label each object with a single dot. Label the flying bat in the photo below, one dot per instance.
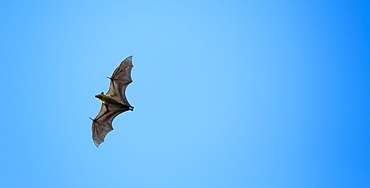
(114, 102)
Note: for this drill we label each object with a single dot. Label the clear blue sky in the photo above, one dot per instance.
(227, 94)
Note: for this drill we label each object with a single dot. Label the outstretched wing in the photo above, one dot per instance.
(120, 79)
(102, 124)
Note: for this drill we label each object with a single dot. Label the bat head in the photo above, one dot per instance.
(100, 96)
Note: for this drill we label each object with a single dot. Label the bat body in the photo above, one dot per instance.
(114, 102)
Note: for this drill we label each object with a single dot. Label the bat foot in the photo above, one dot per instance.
(131, 108)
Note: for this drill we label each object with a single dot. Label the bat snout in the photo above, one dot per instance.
(99, 96)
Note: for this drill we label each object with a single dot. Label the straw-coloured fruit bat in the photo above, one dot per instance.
(114, 102)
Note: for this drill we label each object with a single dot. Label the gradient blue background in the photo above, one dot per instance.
(227, 94)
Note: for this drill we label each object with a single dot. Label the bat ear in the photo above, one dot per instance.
(102, 93)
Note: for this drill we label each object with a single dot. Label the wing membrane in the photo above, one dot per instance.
(102, 124)
(120, 79)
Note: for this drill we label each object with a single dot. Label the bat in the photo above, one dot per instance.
(114, 102)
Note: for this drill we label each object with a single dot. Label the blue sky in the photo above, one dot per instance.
(226, 93)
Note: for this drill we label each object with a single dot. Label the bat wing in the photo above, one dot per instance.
(102, 124)
(120, 79)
